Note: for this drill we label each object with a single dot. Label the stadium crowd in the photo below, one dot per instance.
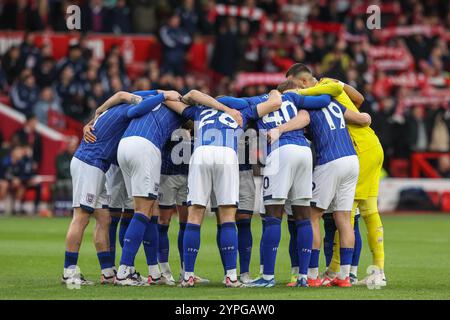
(206, 47)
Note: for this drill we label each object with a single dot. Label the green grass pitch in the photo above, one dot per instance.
(32, 250)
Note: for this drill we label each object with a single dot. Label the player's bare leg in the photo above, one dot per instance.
(347, 243)
(302, 216)
(101, 241)
(74, 237)
(191, 243)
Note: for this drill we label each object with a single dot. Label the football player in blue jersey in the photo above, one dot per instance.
(245, 208)
(214, 168)
(173, 198)
(139, 157)
(88, 167)
(334, 180)
(287, 176)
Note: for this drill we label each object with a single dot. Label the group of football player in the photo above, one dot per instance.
(149, 155)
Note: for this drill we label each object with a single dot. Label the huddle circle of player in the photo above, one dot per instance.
(148, 155)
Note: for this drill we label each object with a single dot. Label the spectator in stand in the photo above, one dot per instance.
(444, 166)
(20, 15)
(62, 188)
(97, 96)
(189, 16)
(336, 63)
(144, 16)
(29, 52)
(418, 128)
(120, 18)
(48, 102)
(226, 50)
(70, 93)
(12, 64)
(24, 93)
(45, 72)
(3, 81)
(176, 42)
(28, 136)
(94, 16)
(74, 60)
(17, 177)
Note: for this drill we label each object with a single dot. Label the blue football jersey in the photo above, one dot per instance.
(109, 128)
(329, 133)
(213, 127)
(156, 126)
(288, 110)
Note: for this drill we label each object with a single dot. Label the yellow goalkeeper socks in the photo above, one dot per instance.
(375, 234)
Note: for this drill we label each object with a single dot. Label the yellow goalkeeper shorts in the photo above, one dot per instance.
(370, 165)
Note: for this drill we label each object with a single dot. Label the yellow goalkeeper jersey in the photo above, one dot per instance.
(364, 138)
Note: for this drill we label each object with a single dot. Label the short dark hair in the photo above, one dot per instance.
(286, 85)
(297, 68)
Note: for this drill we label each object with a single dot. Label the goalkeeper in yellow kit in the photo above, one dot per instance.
(370, 155)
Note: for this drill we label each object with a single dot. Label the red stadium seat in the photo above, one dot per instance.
(446, 202)
(435, 197)
(399, 168)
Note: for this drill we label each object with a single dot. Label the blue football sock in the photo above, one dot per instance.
(112, 237)
(124, 223)
(150, 242)
(293, 248)
(261, 251)
(358, 243)
(70, 259)
(328, 240)
(133, 238)
(219, 231)
(191, 245)
(304, 244)
(346, 256)
(271, 241)
(245, 243)
(163, 251)
(314, 261)
(180, 242)
(104, 258)
(229, 245)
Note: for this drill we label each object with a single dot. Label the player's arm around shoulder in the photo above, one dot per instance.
(151, 102)
(300, 121)
(197, 97)
(325, 86)
(273, 103)
(359, 118)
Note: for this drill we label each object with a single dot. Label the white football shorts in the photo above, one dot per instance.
(89, 190)
(173, 190)
(288, 176)
(140, 161)
(246, 193)
(117, 191)
(213, 169)
(334, 184)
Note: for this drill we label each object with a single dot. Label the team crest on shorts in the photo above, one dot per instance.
(90, 198)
